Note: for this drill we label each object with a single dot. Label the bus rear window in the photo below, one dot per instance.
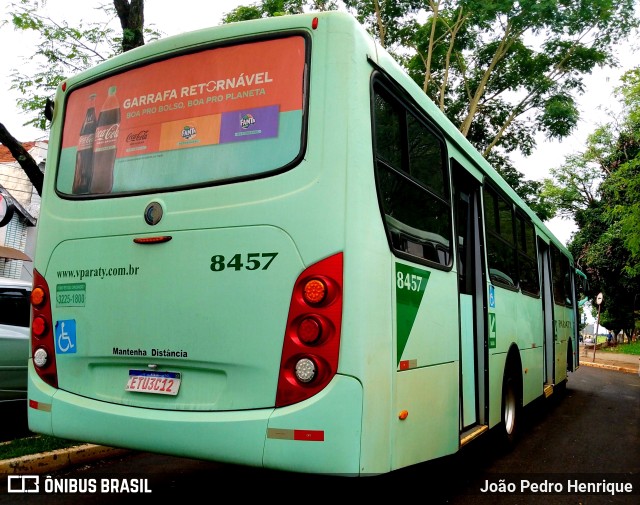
(208, 117)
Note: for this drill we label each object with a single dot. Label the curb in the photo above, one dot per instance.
(625, 369)
(61, 458)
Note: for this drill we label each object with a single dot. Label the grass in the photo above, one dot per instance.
(632, 348)
(33, 445)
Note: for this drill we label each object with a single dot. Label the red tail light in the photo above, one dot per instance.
(42, 335)
(312, 336)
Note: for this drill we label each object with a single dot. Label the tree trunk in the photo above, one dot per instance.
(25, 160)
(131, 14)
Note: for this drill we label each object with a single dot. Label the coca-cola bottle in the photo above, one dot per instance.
(84, 155)
(105, 144)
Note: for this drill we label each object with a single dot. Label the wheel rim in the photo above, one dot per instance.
(509, 410)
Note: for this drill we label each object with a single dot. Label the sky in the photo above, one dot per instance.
(197, 14)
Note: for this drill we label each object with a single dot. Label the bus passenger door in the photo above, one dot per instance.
(471, 282)
(544, 261)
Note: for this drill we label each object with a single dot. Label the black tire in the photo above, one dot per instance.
(569, 359)
(560, 389)
(511, 410)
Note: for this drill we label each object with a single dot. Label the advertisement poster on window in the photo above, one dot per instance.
(214, 114)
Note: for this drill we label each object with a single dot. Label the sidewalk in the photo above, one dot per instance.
(622, 362)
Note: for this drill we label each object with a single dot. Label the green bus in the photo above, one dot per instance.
(262, 244)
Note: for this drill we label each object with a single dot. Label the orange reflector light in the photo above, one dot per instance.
(314, 291)
(403, 415)
(152, 240)
(38, 296)
(39, 326)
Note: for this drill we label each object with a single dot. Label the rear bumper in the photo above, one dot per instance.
(320, 435)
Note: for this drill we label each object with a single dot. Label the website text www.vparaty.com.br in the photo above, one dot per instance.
(101, 272)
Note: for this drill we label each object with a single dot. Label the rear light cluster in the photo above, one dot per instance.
(42, 332)
(312, 336)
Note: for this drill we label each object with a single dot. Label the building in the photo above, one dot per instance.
(19, 211)
(588, 332)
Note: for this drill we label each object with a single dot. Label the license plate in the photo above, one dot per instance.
(159, 383)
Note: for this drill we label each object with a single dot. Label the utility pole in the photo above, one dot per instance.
(633, 319)
(595, 338)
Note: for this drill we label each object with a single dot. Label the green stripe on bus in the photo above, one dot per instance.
(410, 286)
(493, 331)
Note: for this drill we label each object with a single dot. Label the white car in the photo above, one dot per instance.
(15, 315)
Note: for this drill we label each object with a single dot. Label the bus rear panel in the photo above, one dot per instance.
(193, 304)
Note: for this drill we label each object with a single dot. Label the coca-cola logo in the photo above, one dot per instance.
(137, 137)
(85, 142)
(110, 133)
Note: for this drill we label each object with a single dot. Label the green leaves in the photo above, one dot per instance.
(559, 116)
(63, 50)
(601, 187)
(272, 8)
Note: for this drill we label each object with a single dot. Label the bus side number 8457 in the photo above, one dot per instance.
(219, 262)
(411, 282)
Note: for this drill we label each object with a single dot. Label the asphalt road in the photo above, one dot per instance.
(588, 438)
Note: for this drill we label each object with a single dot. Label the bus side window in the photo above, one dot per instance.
(501, 247)
(412, 180)
(527, 256)
(582, 287)
(561, 278)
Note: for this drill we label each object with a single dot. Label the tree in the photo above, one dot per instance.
(131, 15)
(601, 189)
(501, 71)
(64, 50)
(391, 22)
(22, 156)
(574, 185)
(498, 68)
(271, 8)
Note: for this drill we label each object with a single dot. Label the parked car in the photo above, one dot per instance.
(14, 338)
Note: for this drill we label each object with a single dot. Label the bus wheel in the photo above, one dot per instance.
(560, 389)
(570, 366)
(510, 409)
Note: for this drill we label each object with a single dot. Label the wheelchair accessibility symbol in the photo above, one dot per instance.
(65, 333)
